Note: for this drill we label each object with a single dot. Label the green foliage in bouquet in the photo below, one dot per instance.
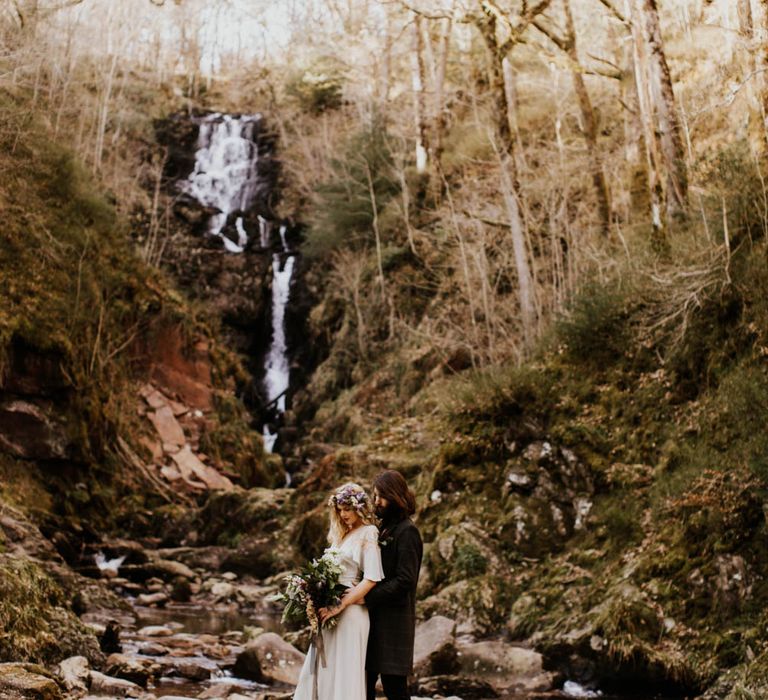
(316, 586)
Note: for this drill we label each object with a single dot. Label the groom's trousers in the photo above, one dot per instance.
(395, 687)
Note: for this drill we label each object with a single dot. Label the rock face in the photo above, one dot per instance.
(548, 494)
(505, 666)
(270, 658)
(31, 430)
(34, 397)
(27, 682)
(75, 674)
(435, 647)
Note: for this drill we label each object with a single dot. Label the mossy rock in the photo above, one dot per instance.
(229, 515)
(37, 622)
(20, 681)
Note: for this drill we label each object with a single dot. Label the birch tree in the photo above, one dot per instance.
(487, 21)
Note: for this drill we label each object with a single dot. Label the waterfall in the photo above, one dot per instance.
(226, 174)
(277, 377)
(226, 178)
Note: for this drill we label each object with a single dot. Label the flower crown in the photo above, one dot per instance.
(349, 497)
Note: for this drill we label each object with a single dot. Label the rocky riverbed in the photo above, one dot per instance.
(189, 632)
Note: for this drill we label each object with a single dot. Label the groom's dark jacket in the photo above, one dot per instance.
(392, 602)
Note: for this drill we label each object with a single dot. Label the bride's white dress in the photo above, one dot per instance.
(343, 677)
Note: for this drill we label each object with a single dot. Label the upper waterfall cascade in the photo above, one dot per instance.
(226, 178)
(226, 174)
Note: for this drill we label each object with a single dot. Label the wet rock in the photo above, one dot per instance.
(155, 631)
(163, 569)
(75, 674)
(153, 649)
(466, 688)
(206, 558)
(193, 671)
(222, 590)
(20, 681)
(156, 599)
(505, 665)
(138, 671)
(435, 647)
(102, 684)
(270, 658)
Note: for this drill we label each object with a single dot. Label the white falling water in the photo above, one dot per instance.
(225, 177)
(277, 376)
(226, 171)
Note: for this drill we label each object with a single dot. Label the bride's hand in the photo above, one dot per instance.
(327, 613)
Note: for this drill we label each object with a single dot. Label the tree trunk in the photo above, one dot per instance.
(589, 125)
(746, 24)
(670, 132)
(654, 166)
(508, 170)
(417, 77)
(438, 108)
(510, 191)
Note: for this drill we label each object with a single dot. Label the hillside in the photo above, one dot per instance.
(530, 273)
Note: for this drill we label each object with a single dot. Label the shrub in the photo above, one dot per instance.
(595, 329)
(343, 211)
(318, 87)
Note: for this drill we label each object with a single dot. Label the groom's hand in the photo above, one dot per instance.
(357, 602)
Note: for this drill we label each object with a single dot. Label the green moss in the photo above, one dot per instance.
(36, 623)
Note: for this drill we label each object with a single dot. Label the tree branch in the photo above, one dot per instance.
(560, 42)
(614, 11)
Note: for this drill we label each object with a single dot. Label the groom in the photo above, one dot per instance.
(392, 602)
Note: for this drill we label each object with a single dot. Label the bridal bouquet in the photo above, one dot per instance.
(315, 586)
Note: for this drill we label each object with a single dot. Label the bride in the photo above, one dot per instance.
(355, 537)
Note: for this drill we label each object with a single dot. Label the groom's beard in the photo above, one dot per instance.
(380, 511)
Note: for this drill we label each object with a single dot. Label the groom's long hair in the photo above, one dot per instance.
(392, 485)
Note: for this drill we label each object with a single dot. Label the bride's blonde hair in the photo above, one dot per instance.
(354, 497)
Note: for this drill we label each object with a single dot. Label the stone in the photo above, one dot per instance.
(157, 599)
(167, 426)
(503, 665)
(102, 684)
(193, 671)
(152, 649)
(75, 674)
(269, 658)
(435, 647)
(20, 681)
(222, 590)
(30, 431)
(138, 671)
(467, 688)
(155, 631)
(189, 465)
(170, 474)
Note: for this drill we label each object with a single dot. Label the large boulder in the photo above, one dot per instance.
(505, 665)
(102, 684)
(139, 671)
(435, 647)
(27, 682)
(75, 674)
(467, 688)
(270, 658)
